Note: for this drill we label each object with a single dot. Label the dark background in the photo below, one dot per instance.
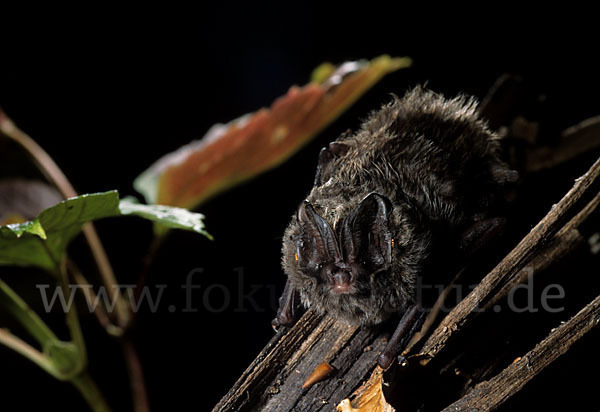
(108, 92)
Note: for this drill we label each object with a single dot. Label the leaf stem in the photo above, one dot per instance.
(83, 382)
(23, 348)
(91, 297)
(134, 366)
(75, 330)
(147, 263)
(53, 173)
(21, 311)
(136, 376)
(90, 392)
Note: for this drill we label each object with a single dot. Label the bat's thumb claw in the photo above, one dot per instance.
(275, 325)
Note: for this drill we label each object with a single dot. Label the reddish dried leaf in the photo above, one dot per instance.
(235, 152)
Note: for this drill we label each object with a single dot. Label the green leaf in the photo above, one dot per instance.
(43, 241)
(33, 226)
(172, 217)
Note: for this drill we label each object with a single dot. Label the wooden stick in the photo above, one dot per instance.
(574, 141)
(509, 268)
(273, 382)
(560, 246)
(489, 395)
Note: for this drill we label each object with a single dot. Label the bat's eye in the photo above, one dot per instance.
(392, 244)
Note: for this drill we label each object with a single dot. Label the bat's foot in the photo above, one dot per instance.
(282, 322)
(411, 321)
(288, 308)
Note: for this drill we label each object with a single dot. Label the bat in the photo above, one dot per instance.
(421, 180)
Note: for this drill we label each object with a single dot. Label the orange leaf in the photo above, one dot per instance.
(235, 152)
(369, 397)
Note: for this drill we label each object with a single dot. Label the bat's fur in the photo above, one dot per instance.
(438, 164)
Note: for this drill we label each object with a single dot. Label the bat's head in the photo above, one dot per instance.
(362, 267)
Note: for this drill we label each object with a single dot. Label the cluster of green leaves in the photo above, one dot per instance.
(42, 242)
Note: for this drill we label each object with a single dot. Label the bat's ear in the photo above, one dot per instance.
(317, 243)
(367, 236)
(326, 157)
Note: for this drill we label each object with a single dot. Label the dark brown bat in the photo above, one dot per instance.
(422, 178)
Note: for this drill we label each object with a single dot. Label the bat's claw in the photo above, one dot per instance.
(276, 325)
(282, 321)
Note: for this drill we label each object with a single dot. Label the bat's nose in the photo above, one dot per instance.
(342, 282)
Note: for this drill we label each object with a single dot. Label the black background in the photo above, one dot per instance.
(109, 91)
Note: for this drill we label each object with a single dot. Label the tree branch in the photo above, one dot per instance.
(273, 381)
(574, 141)
(508, 269)
(489, 395)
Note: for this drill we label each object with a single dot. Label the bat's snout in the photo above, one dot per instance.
(342, 282)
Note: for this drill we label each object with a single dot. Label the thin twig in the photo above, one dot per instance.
(26, 350)
(136, 376)
(123, 311)
(563, 243)
(559, 247)
(53, 173)
(489, 395)
(146, 263)
(92, 299)
(72, 318)
(433, 314)
(510, 266)
(574, 141)
(91, 393)
(83, 381)
(583, 215)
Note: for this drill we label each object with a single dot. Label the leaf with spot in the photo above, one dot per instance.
(232, 153)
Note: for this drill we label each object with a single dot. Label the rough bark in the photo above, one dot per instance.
(489, 395)
(273, 382)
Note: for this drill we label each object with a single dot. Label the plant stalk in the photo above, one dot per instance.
(55, 175)
(90, 392)
(21, 311)
(24, 349)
